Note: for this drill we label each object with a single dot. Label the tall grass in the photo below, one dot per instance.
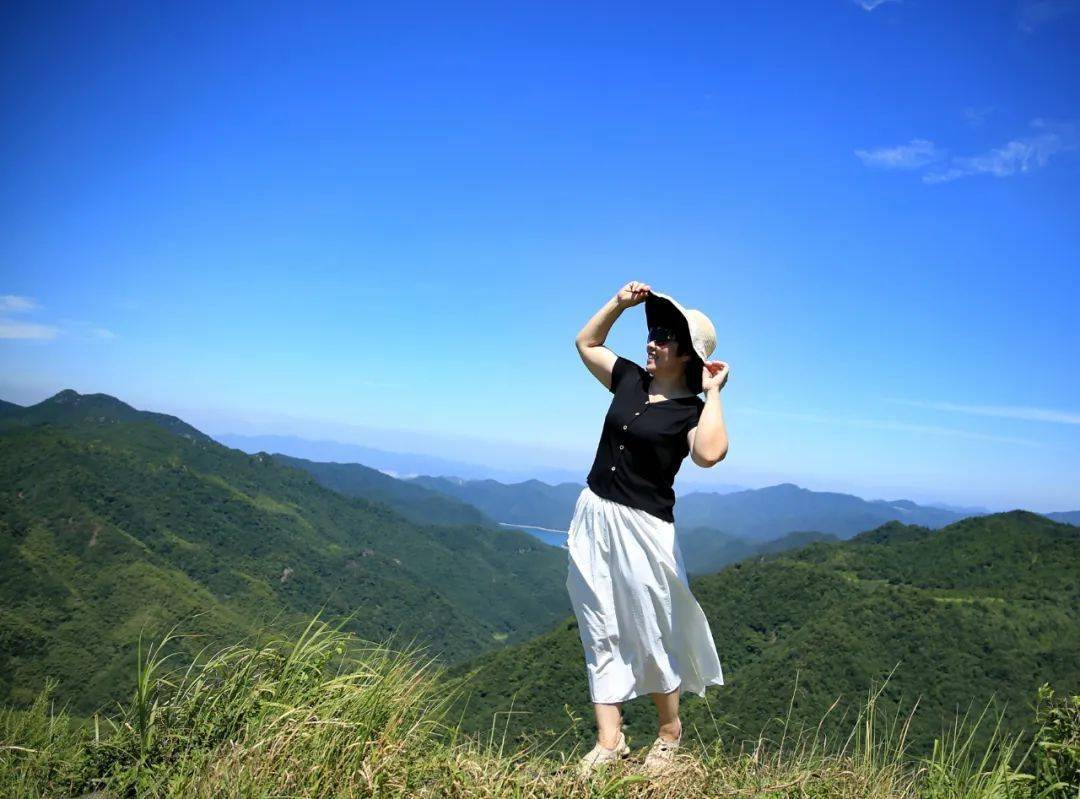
(956, 770)
(36, 747)
(324, 714)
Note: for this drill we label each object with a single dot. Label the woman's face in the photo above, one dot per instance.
(661, 359)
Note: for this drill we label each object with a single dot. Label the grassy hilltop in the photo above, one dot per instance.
(315, 715)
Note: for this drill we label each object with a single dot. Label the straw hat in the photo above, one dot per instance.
(662, 309)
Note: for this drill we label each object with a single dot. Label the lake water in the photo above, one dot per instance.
(555, 538)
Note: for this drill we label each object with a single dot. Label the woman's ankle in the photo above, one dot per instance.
(672, 731)
(609, 740)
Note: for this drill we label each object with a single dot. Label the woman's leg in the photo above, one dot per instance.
(608, 724)
(667, 706)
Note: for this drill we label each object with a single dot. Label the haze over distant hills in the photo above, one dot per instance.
(705, 549)
(713, 525)
(755, 515)
(413, 464)
(713, 529)
(1068, 516)
(396, 464)
(767, 513)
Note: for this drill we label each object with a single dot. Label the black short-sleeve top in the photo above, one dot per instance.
(642, 443)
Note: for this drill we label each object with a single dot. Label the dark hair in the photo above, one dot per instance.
(693, 366)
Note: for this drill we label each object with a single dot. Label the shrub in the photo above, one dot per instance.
(1057, 745)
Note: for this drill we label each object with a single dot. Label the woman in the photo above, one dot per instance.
(640, 626)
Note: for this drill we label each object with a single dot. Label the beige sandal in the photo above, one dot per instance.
(661, 756)
(601, 755)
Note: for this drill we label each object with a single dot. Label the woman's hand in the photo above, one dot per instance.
(714, 374)
(632, 294)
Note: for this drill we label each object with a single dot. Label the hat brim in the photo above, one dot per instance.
(660, 309)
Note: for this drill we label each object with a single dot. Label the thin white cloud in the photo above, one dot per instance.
(1025, 413)
(17, 328)
(1019, 155)
(1034, 14)
(870, 5)
(976, 116)
(1024, 154)
(20, 328)
(13, 303)
(915, 154)
(81, 328)
(13, 329)
(885, 424)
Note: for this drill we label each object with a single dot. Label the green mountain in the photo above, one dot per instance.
(114, 520)
(531, 502)
(9, 408)
(413, 501)
(69, 407)
(765, 514)
(754, 516)
(706, 550)
(793, 541)
(987, 607)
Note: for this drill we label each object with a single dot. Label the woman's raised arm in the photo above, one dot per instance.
(590, 340)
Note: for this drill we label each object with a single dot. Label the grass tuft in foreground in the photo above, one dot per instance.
(324, 714)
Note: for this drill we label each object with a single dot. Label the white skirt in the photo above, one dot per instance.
(642, 630)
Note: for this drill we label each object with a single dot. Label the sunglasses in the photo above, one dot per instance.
(662, 335)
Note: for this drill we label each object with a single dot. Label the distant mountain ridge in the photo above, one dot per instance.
(529, 502)
(412, 500)
(1068, 517)
(706, 550)
(402, 464)
(712, 525)
(838, 514)
(430, 500)
(754, 515)
(767, 513)
(69, 407)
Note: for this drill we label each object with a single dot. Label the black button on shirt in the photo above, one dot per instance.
(642, 444)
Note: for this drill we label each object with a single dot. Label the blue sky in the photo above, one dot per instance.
(374, 223)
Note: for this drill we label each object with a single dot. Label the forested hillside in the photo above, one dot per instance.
(988, 607)
(530, 502)
(113, 521)
(412, 500)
